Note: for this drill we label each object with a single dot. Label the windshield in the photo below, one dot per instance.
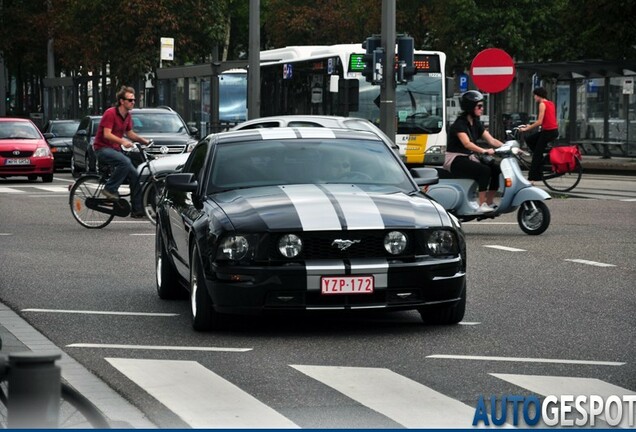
(418, 104)
(168, 122)
(369, 164)
(18, 130)
(64, 129)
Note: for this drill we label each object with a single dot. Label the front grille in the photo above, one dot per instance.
(17, 168)
(21, 154)
(320, 245)
(172, 149)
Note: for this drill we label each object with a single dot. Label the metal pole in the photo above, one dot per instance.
(254, 62)
(34, 390)
(387, 92)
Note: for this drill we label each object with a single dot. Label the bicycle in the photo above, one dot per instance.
(75, 410)
(94, 211)
(553, 180)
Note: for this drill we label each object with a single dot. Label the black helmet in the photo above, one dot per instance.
(469, 100)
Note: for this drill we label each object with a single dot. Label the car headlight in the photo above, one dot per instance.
(190, 145)
(233, 248)
(42, 152)
(290, 245)
(395, 242)
(441, 242)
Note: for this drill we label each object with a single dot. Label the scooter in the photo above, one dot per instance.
(460, 196)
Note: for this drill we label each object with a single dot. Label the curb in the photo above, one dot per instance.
(18, 335)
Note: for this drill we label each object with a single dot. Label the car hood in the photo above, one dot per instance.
(60, 141)
(168, 139)
(324, 208)
(168, 163)
(20, 144)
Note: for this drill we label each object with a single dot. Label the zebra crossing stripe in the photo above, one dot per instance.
(556, 385)
(401, 399)
(198, 396)
(10, 190)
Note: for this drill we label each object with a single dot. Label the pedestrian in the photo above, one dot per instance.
(109, 140)
(547, 122)
(461, 150)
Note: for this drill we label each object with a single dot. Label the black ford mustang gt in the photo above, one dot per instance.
(305, 219)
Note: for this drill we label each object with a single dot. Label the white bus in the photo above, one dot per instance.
(328, 80)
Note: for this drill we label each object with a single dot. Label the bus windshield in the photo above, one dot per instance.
(418, 104)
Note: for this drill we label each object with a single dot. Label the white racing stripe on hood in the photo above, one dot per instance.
(315, 211)
(276, 133)
(316, 132)
(359, 210)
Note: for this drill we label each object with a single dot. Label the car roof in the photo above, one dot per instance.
(163, 110)
(15, 119)
(293, 133)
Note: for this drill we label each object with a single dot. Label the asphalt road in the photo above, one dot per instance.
(548, 314)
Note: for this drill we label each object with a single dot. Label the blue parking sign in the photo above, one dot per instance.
(463, 83)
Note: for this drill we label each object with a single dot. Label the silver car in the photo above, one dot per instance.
(174, 163)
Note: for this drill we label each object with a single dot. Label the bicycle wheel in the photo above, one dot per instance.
(88, 186)
(76, 412)
(562, 182)
(149, 198)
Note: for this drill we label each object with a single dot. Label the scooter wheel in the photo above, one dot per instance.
(533, 217)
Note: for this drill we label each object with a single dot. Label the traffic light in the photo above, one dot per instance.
(405, 67)
(378, 66)
(371, 44)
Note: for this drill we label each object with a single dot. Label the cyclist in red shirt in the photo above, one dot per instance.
(109, 140)
(547, 120)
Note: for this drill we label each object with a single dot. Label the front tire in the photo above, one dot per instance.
(533, 217)
(47, 178)
(149, 198)
(204, 317)
(167, 278)
(445, 314)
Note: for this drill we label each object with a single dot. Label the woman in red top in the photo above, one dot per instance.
(549, 131)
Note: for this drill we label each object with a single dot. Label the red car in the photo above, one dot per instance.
(24, 151)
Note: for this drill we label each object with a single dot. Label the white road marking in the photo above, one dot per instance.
(525, 359)
(10, 190)
(199, 396)
(628, 199)
(53, 188)
(555, 385)
(490, 223)
(92, 312)
(158, 347)
(592, 263)
(6, 234)
(506, 248)
(469, 323)
(403, 400)
(147, 234)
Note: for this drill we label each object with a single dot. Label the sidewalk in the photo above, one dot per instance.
(17, 336)
(624, 165)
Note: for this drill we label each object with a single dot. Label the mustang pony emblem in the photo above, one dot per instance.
(344, 244)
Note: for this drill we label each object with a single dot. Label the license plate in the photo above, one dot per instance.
(346, 285)
(17, 162)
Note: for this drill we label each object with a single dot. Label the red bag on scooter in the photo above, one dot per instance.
(563, 158)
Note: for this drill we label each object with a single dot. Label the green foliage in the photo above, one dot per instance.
(125, 35)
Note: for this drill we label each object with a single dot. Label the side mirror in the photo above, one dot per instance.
(425, 176)
(182, 182)
(49, 135)
(81, 133)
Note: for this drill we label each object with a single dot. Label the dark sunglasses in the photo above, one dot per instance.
(130, 100)
(479, 106)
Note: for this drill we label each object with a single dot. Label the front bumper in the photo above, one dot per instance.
(398, 286)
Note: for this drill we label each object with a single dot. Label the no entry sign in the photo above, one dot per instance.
(492, 70)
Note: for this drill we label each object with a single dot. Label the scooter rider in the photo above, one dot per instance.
(461, 150)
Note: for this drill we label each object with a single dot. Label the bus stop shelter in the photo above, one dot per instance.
(595, 102)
